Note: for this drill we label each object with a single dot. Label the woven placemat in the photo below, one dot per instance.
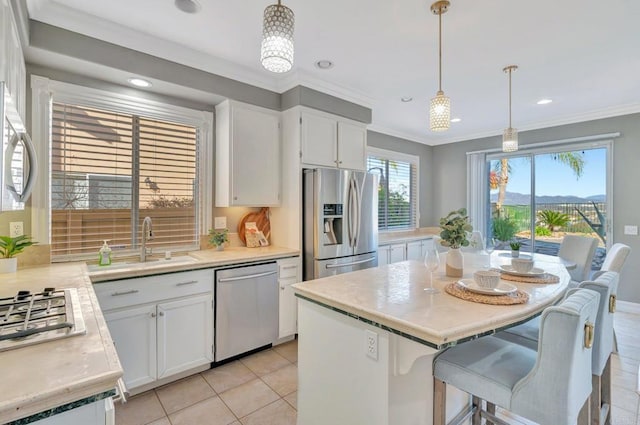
(517, 297)
(545, 278)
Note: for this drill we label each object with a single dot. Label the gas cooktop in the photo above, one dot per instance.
(27, 319)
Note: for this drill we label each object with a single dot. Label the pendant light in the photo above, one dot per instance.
(440, 107)
(276, 53)
(510, 136)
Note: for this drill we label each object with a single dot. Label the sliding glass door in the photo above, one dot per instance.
(538, 197)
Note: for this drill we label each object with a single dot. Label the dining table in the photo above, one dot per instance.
(367, 339)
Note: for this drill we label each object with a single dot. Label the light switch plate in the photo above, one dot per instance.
(16, 228)
(631, 230)
(220, 223)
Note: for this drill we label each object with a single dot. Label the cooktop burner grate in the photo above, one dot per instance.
(27, 318)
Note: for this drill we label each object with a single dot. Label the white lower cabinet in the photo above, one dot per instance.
(161, 325)
(414, 250)
(134, 334)
(289, 272)
(100, 412)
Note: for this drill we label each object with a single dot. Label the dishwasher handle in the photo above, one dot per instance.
(249, 276)
(336, 266)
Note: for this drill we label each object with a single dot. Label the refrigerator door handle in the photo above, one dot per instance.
(335, 266)
(358, 211)
(350, 212)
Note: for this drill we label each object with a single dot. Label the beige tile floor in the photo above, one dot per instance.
(261, 389)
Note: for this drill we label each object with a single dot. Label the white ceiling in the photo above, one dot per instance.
(583, 54)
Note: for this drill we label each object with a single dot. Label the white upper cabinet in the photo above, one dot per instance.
(247, 155)
(332, 141)
(12, 67)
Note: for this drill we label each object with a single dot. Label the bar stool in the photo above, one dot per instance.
(527, 335)
(550, 386)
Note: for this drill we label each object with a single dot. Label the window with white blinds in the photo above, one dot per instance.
(397, 190)
(110, 170)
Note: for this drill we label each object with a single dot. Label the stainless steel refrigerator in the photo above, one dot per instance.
(340, 221)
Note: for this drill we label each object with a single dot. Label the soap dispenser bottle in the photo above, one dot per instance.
(104, 255)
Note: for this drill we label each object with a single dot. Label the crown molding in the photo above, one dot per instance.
(399, 134)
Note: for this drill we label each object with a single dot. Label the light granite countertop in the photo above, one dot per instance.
(388, 238)
(43, 376)
(393, 296)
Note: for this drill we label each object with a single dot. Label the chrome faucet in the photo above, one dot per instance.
(147, 235)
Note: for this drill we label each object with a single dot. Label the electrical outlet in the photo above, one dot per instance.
(631, 230)
(220, 223)
(371, 344)
(16, 228)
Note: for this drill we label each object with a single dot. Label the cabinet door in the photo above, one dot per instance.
(383, 255)
(134, 333)
(319, 140)
(414, 251)
(255, 174)
(352, 145)
(396, 253)
(185, 334)
(288, 320)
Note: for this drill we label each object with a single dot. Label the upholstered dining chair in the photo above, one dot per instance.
(550, 386)
(580, 250)
(527, 335)
(615, 259)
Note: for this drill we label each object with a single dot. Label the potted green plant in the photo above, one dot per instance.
(218, 238)
(455, 227)
(9, 248)
(515, 248)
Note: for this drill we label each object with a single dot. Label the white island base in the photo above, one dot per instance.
(340, 384)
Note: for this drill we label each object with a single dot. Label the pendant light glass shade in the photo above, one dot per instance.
(276, 53)
(510, 135)
(440, 112)
(510, 140)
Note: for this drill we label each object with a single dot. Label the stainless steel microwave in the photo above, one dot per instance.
(17, 157)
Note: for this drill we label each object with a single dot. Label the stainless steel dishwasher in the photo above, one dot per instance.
(246, 309)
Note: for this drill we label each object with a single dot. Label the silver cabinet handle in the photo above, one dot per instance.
(191, 282)
(153, 315)
(292, 266)
(335, 266)
(161, 313)
(250, 276)
(133, 291)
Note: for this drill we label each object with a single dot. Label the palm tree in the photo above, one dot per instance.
(499, 176)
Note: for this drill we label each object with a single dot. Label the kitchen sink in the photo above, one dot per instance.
(134, 264)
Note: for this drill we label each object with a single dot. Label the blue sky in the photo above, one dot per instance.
(554, 178)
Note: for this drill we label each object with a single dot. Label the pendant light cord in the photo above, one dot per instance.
(509, 97)
(440, 50)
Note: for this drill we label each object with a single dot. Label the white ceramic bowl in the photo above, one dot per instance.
(522, 265)
(487, 278)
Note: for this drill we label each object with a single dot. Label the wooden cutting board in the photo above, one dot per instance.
(261, 218)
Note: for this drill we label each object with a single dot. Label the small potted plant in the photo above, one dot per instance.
(515, 249)
(218, 238)
(455, 227)
(9, 248)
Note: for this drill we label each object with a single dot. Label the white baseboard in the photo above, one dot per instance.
(628, 307)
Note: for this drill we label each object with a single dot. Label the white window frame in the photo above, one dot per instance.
(43, 92)
(478, 194)
(405, 157)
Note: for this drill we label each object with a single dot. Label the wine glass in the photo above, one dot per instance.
(431, 262)
(490, 246)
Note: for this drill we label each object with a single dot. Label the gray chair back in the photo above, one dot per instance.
(616, 258)
(560, 382)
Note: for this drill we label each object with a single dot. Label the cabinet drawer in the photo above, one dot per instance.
(288, 267)
(128, 292)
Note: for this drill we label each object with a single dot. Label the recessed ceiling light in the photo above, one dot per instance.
(406, 99)
(324, 64)
(544, 101)
(456, 119)
(139, 82)
(188, 6)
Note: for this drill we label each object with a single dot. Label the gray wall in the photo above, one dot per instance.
(450, 174)
(305, 96)
(383, 141)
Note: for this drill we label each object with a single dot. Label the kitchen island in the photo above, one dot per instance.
(367, 339)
